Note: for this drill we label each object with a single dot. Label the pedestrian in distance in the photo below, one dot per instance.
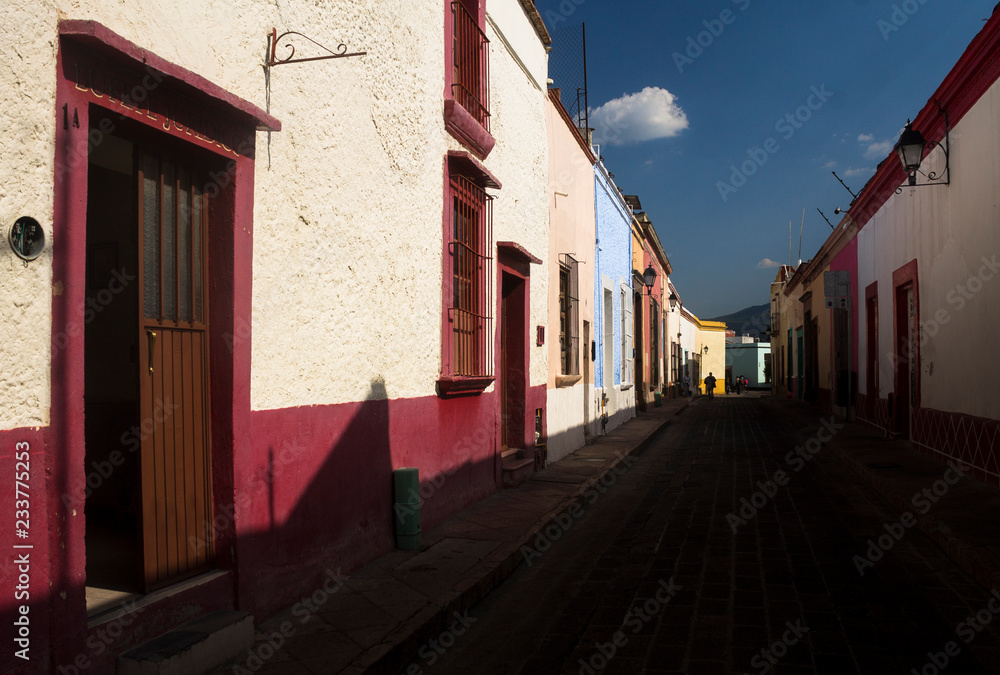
(710, 385)
(739, 385)
(687, 384)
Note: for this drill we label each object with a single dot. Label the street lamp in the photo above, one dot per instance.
(910, 149)
(649, 278)
(673, 301)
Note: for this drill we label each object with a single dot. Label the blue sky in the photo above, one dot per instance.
(674, 121)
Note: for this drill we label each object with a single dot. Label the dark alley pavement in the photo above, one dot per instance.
(653, 579)
(725, 536)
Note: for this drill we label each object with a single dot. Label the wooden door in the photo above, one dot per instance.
(177, 537)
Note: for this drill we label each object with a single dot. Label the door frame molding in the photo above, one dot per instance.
(206, 116)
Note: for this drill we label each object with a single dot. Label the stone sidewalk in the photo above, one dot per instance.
(380, 616)
(960, 517)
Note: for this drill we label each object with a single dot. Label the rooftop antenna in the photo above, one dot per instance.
(844, 184)
(827, 219)
(800, 234)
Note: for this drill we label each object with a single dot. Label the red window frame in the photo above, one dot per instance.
(467, 345)
(470, 81)
(467, 75)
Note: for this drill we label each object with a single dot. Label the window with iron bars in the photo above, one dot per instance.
(471, 74)
(569, 313)
(471, 274)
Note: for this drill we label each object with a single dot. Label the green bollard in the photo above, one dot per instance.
(406, 488)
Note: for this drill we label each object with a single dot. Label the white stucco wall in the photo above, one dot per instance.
(952, 232)
(354, 179)
(511, 25)
(28, 80)
(520, 162)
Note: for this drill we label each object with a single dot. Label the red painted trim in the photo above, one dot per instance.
(461, 160)
(517, 251)
(315, 483)
(462, 125)
(907, 274)
(100, 39)
(871, 341)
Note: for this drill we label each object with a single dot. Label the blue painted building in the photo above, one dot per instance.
(613, 323)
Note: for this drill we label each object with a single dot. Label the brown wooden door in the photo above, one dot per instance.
(177, 538)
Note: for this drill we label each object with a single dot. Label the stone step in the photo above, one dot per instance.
(196, 647)
(517, 468)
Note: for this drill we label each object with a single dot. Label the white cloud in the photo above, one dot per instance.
(647, 115)
(873, 149)
(830, 164)
(767, 263)
(862, 171)
(878, 150)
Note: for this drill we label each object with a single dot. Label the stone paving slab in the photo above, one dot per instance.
(388, 608)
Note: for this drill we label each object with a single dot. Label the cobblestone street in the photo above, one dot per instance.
(736, 542)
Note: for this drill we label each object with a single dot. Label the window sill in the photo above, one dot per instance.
(625, 387)
(448, 385)
(463, 126)
(567, 380)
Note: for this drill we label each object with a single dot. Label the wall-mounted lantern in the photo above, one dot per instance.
(910, 149)
(649, 278)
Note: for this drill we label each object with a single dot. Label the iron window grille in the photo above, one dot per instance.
(569, 315)
(471, 274)
(471, 76)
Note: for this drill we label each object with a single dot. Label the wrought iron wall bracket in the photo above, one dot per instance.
(933, 177)
(274, 60)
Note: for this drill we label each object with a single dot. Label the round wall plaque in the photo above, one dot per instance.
(27, 238)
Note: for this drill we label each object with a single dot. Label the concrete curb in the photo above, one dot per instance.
(389, 657)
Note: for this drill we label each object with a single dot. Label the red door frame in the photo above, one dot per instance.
(516, 263)
(96, 67)
(903, 278)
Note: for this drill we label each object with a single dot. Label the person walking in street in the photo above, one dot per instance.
(710, 385)
(739, 385)
(687, 384)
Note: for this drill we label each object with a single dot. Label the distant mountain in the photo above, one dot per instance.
(752, 321)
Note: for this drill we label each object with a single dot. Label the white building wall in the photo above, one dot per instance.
(520, 161)
(354, 180)
(952, 232)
